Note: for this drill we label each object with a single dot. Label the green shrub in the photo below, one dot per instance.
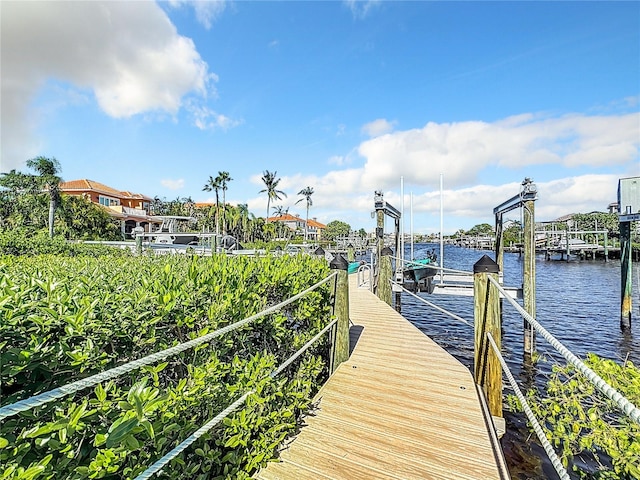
(582, 423)
(24, 241)
(64, 318)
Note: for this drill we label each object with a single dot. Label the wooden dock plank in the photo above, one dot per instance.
(400, 407)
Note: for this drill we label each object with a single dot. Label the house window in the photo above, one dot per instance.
(108, 202)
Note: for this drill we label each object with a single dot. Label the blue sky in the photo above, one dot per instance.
(345, 97)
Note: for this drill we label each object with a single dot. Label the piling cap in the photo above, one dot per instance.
(319, 251)
(338, 263)
(386, 251)
(486, 265)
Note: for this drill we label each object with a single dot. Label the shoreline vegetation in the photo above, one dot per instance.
(67, 317)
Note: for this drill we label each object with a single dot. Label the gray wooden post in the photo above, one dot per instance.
(487, 371)
(499, 241)
(341, 343)
(379, 246)
(384, 276)
(529, 280)
(626, 275)
(138, 245)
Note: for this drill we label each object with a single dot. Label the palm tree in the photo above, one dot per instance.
(214, 185)
(223, 179)
(306, 193)
(48, 180)
(280, 211)
(271, 182)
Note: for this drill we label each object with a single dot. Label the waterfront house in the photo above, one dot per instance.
(130, 209)
(297, 224)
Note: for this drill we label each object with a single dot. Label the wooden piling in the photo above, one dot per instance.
(486, 312)
(384, 276)
(351, 255)
(529, 280)
(626, 276)
(499, 241)
(341, 344)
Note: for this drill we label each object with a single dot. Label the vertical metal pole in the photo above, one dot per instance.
(401, 255)
(486, 366)
(411, 212)
(441, 259)
(529, 281)
(341, 345)
(626, 275)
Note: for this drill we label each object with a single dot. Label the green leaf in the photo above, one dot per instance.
(120, 432)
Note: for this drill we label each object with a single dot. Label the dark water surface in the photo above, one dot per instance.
(578, 302)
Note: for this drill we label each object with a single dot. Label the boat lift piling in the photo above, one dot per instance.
(383, 208)
(629, 208)
(525, 200)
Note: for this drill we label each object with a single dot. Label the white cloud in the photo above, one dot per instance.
(378, 127)
(361, 8)
(207, 11)
(128, 54)
(207, 119)
(462, 150)
(518, 146)
(336, 160)
(173, 184)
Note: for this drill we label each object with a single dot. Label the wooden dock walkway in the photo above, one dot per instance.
(401, 407)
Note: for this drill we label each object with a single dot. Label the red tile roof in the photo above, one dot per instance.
(315, 223)
(91, 185)
(293, 218)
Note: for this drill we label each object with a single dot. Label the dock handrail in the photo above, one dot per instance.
(76, 386)
(433, 305)
(623, 403)
(159, 465)
(365, 277)
(544, 441)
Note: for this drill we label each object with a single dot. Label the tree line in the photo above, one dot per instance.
(33, 202)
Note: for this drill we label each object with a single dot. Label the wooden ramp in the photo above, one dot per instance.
(400, 408)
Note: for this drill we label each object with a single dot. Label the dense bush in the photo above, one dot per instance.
(24, 241)
(64, 318)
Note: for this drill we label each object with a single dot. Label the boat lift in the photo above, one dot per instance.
(383, 208)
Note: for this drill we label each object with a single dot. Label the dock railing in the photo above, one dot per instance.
(336, 327)
(488, 359)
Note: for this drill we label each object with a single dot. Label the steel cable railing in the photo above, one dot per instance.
(433, 305)
(623, 403)
(544, 441)
(73, 387)
(159, 465)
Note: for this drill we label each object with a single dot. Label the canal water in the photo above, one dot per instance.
(578, 302)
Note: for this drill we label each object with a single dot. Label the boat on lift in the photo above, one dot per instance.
(419, 270)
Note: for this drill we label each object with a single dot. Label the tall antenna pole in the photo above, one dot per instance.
(401, 256)
(441, 234)
(411, 209)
